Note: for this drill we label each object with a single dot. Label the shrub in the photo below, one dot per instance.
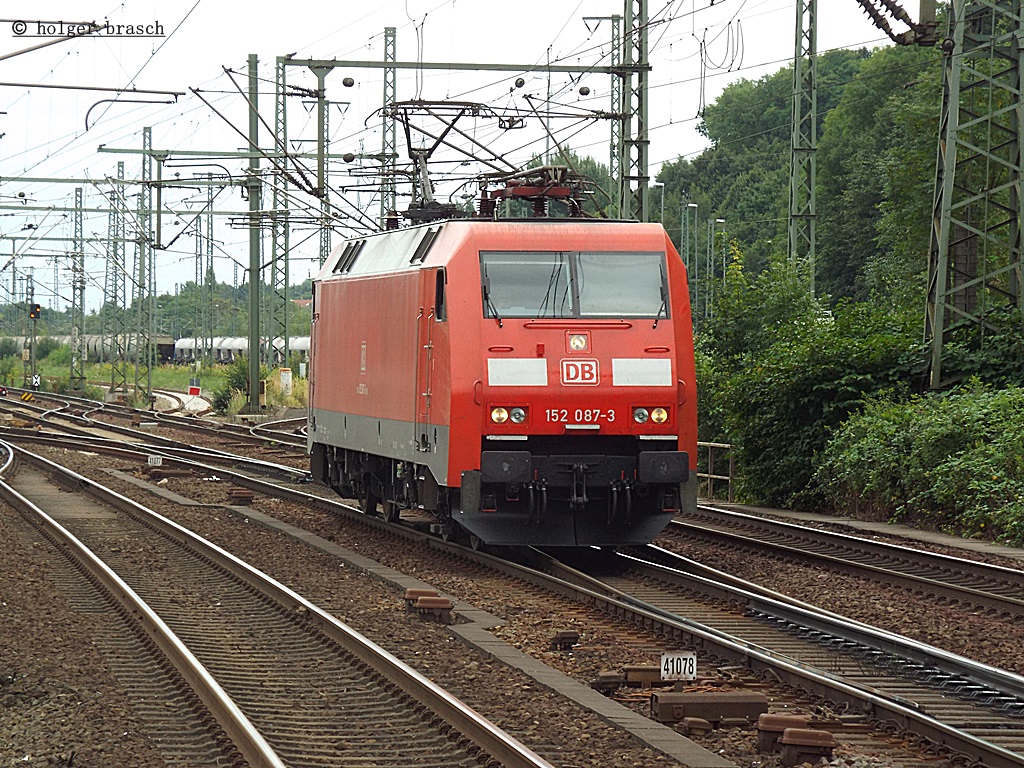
(220, 399)
(9, 367)
(236, 383)
(711, 410)
(953, 461)
(236, 402)
(993, 353)
(297, 398)
(45, 347)
(786, 400)
(59, 356)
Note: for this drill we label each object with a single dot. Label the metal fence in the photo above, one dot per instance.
(715, 471)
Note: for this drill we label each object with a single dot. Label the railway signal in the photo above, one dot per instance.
(34, 311)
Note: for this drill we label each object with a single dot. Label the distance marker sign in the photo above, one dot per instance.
(679, 666)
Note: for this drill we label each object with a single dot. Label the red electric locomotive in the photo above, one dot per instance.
(527, 382)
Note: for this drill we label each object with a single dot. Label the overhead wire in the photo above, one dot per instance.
(697, 118)
(421, 81)
(78, 135)
(670, 10)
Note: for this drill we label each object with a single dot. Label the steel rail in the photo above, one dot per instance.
(156, 444)
(769, 603)
(1005, 604)
(267, 431)
(183, 422)
(491, 739)
(763, 661)
(249, 742)
(937, 559)
(718, 583)
(771, 665)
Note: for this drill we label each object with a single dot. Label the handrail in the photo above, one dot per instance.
(706, 480)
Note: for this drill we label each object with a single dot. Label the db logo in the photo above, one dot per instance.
(580, 372)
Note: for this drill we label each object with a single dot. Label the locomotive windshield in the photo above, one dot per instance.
(573, 284)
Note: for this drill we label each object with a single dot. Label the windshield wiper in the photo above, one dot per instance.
(488, 304)
(664, 297)
(664, 308)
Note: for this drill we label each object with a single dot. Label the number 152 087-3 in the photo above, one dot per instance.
(580, 415)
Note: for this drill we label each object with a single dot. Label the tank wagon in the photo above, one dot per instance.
(227, 349)
(526, 382)
(99, 348)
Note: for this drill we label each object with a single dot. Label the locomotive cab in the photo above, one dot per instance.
(580, 439)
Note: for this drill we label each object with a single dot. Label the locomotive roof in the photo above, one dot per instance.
(408, 248)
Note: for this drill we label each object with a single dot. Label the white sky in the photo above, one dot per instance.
(45, 136)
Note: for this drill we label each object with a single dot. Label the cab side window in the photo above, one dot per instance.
(440, 308)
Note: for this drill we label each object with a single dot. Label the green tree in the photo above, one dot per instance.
(751, 312)
(44, 346)
(877, 141)
(744, 176)
(8, 347)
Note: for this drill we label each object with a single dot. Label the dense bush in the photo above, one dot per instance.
(787, 399)
(60, 355)
(953, 461)
(993, 353)
(9, 368)
(711, 408)
(776, 371)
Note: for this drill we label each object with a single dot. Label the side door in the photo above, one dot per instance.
(431, 310)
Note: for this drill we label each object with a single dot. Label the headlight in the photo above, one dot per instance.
(518, 415)
(499, 415)
(659, 415)
(640, 415)
(577, 342)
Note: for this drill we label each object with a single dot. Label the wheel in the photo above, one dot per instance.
(392, 513)
(474, 542)
(450, 531)
(368, 500)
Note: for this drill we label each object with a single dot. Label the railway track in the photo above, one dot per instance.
(70, 417)
(148, 661)
(318, 691)
(282, 430)
(284, 434)
(859, 654)
(965, 705)
(512, 701)
(953, 579)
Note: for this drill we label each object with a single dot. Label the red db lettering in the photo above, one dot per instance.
(580, 372)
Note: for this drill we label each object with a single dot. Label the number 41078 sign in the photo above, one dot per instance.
(679, 666)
